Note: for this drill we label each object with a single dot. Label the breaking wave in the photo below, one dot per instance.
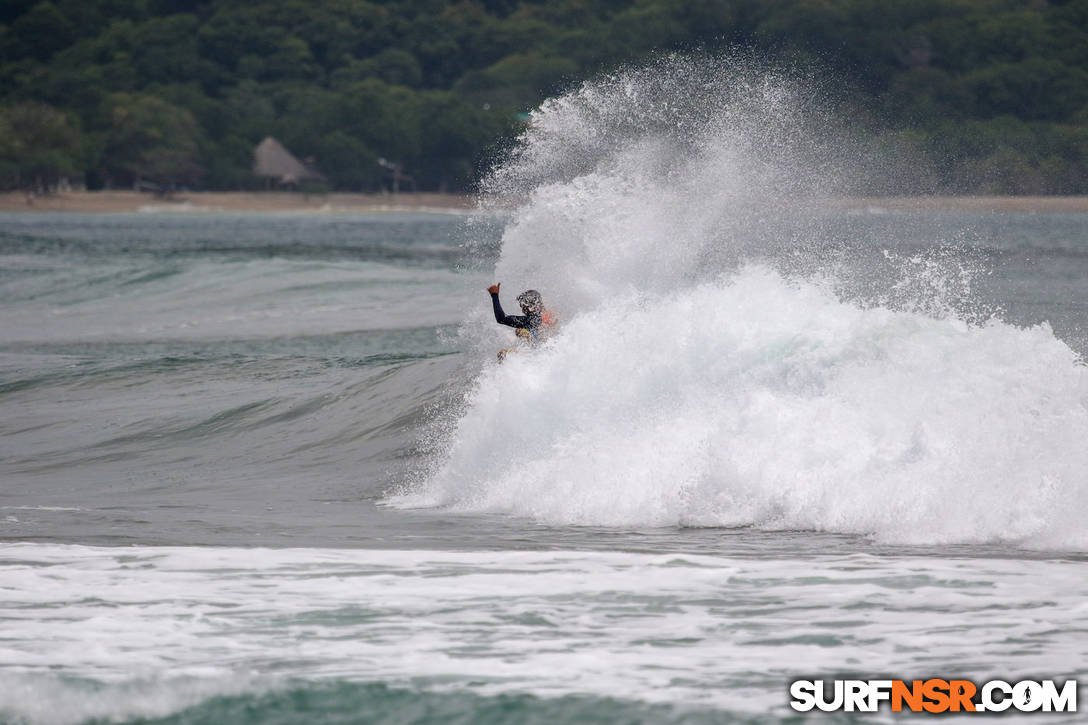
(732, 356)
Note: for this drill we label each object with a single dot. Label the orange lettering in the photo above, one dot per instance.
(936, 691)
(961, 692)
(912, 695)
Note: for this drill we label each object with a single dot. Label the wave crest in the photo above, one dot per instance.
(715, 367)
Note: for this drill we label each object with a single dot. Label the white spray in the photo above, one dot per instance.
(710, 370)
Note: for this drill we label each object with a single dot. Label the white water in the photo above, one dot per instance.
(145, 631)
(710, 374)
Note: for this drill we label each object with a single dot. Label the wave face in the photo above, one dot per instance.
(733, 354)
(260, 373)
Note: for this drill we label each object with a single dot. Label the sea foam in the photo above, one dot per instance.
(711, 370)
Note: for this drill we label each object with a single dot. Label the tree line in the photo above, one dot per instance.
(989, 95)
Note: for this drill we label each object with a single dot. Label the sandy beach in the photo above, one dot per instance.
(1037, 204)
(117, 202)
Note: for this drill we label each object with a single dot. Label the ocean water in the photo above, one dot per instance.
(266, 468)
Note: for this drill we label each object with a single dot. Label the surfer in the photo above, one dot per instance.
(535, 322)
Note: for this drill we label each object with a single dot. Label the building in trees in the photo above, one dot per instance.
(277, 165)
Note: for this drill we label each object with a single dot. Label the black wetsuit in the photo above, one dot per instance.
(532, 322)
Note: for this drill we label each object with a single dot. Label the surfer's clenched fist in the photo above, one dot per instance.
(494, 289)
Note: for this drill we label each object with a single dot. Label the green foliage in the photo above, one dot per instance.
(518, 81)
(41, 31)
(347, 162)
(151, 140)
(986, 95)
(38, 146)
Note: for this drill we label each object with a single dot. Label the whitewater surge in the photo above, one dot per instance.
(758, 400)
(239, 635)
(714, 369)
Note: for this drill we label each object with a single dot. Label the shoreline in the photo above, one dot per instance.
(211, 202)
(995, 204)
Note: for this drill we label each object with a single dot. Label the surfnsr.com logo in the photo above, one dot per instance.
(933, 695)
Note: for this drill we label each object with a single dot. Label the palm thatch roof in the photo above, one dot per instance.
(271, 160)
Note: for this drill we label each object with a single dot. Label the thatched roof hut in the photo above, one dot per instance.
(272, 161)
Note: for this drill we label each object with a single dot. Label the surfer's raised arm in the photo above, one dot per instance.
(522, 322)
